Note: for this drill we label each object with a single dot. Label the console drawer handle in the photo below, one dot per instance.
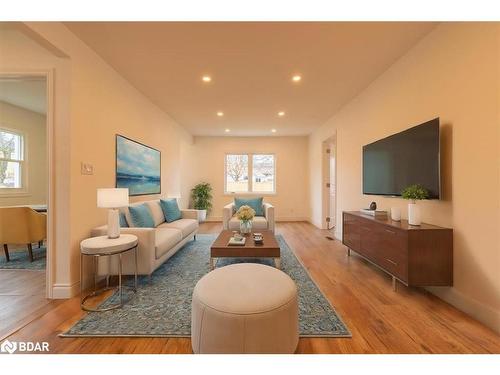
(390, 231)
(391, 261)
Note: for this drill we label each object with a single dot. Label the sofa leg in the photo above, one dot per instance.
(6, 250)
(30, 252)
(194, 237)
(150, 279)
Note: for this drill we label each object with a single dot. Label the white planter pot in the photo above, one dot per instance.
(414, 214)
(395, 214)
(202, 215)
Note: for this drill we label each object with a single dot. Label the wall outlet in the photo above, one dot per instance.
(87, 169)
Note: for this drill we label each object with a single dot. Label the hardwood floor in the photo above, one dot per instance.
(22, 298)
(380, 320)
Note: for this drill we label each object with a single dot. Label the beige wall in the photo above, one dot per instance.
(32, 126)
(20, 54)
(101, 104)
(206, 163)
(452, 73)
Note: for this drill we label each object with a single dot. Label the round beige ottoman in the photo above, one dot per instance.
(245, 308)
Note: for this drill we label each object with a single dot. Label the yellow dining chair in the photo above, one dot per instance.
(21, 225)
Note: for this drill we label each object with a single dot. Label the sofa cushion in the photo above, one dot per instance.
(255, 203)
(156, 212)
(186, 226)
(165, 240)
(141, 216)
(258, 223)
(170, 209)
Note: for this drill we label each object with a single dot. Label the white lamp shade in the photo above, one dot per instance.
(112, 198)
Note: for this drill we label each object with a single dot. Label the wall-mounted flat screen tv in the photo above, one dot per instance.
(403, 159)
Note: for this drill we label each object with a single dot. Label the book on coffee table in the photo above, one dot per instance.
(235, 241)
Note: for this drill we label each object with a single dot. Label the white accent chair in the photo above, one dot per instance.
(231, 222)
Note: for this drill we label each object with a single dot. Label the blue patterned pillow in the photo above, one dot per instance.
(141, 216)
(170, 210)
(255, 203)
(123, 221)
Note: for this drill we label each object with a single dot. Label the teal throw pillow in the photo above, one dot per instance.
(141, 216)
(170, 210)
(123, 221)
(255, 203)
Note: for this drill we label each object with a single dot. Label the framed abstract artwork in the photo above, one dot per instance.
(138, 167)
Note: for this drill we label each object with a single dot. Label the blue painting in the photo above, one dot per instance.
(138, 167)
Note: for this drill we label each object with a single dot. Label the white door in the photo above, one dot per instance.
(332, 191)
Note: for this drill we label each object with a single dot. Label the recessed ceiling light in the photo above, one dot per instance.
(220, 114)
(281, 113)
(227, 130)
(296, 78)
(206, 78)
(273, 130)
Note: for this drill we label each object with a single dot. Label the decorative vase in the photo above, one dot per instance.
(395, 214)
(413, 214)
(245, 226)
(202, 215)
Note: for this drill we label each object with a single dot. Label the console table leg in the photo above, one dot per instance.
(394, 285)
(348, 252)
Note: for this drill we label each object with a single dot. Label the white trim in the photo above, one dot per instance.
(215, 219)
(485, 314)
(64, 291)
(48, 74)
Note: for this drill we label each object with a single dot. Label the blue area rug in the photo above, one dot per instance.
(163, 308)
(19, 259)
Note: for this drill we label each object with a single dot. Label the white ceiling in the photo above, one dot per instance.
(25, 92)
(251, 65)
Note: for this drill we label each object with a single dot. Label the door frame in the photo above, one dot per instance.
(325, 178)
(48, 74)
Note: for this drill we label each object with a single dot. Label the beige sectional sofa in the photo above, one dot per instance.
(156, 245)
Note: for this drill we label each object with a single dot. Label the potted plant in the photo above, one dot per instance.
(201, 195)
(245, 214)
(414, 193)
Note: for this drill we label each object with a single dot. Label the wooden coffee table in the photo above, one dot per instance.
(269, 249)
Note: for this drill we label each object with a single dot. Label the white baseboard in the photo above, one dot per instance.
(291, 218)
(317, 224)
(485, 314)
(64, 291)
(213, 219)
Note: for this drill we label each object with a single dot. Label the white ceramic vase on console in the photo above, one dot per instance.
(395, 214)
(414, 214)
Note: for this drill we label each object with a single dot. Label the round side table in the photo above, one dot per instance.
(103, 246)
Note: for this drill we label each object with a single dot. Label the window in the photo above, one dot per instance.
(11, 160)
(237, 173)
(250, 173)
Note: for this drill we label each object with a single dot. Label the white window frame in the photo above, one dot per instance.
(250, 191)
(23, 190)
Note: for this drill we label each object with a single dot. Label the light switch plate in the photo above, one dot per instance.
(87, 169)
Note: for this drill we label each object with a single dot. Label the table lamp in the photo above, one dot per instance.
(113, 199)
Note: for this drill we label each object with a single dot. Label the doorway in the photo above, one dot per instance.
(25, 123)
(330, 185)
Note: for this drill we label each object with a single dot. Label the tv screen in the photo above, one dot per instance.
(403, 159)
